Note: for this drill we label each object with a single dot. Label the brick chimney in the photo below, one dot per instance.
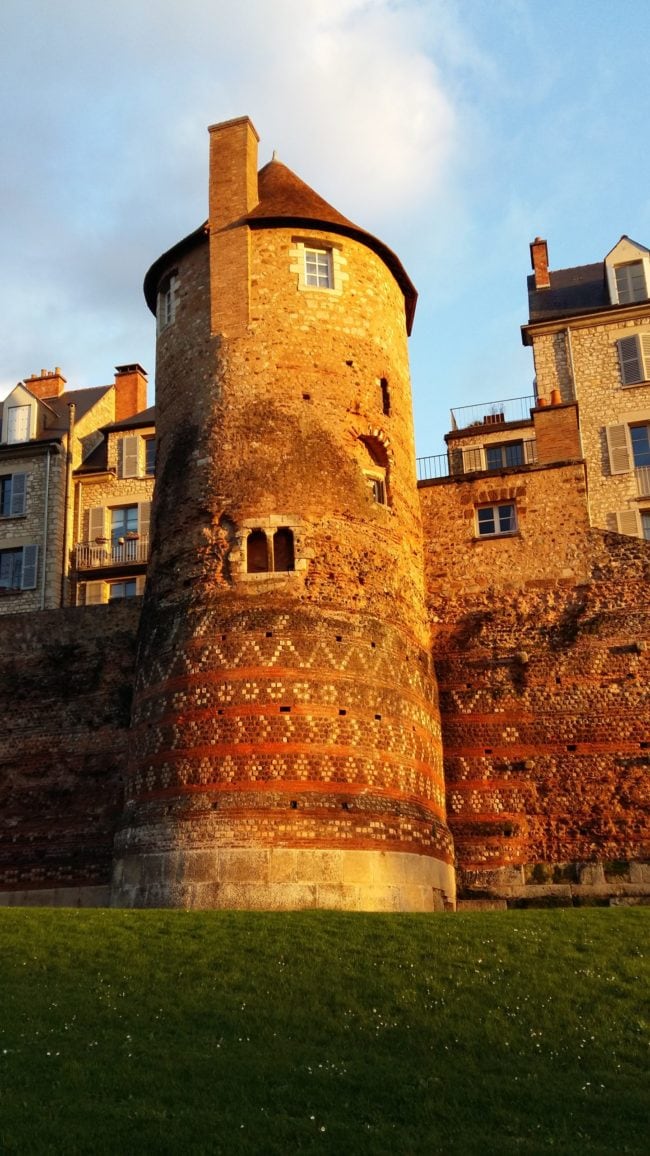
(233, 171)
(130, 391)
(47, 383)
(233, 193)
(539, 261)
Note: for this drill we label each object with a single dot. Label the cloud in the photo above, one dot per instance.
(103, 113)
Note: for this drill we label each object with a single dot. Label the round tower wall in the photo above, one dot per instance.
(286, 735)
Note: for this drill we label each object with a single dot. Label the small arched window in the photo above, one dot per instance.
(283, 552)
(257, 552)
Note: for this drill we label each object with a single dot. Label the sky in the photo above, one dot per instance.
(455, 130)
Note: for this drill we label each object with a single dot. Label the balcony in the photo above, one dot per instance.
(459, 463)
(126, 551)
(493, 413)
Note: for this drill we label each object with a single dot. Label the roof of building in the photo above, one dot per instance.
(144, 418)
(284, 199)
(572, 291)
(83, 399)
(96, 460)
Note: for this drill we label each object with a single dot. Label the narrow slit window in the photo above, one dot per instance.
(385, 396)
(257, 552)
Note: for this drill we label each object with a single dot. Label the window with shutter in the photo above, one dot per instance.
(19, 421)
(130, 457)
(18, 494)
(11, 569)
(96, 523)
(628, 522)
(619, 448)
(30, 566)
(144, 510)
(472, 459)
(94, 593)
(630, 283)
(634, 357)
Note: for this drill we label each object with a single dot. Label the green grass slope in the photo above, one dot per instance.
(234, 1032)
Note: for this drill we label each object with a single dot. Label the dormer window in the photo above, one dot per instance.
(18, 423)
(630, 283)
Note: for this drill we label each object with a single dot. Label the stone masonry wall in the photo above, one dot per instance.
(65, 694)
(542, 656)
(602, 401)
(29, 529)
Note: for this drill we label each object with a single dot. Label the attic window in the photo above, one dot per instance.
(18, 423)
(630, 283)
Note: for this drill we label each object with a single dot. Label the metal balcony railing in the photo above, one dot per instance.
(492, 413)
(458, 462)
(643, 481)
(93, 555)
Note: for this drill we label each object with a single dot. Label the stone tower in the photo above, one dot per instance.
(286, 743)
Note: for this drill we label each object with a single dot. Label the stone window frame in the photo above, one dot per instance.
(298, 256)
(497, 532)
(269, 525)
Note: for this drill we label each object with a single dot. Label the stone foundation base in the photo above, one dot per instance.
(276, 878)
(57, 897)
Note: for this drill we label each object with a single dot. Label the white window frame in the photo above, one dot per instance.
(166, 302)
(634, 358)
(497, 532)
(319, 268)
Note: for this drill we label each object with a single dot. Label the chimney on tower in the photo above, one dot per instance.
(539, 261)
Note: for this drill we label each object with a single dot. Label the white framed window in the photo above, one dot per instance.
(166, 304)
(495, 521)
(101, 592)
(19, 419)
(136, 456)
(634, 358)
(630, 282)
(13, 494)
(18, 568)
(318, 269)
(499, 456)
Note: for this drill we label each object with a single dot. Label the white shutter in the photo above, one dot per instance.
(18, 494)
(30, 565)
(619, 448)
(96, 523)
(629, 353)
(19, 421)
(130, 463)
(94, 593)
(644, 338)
(144, 510)
(629, 522)
(139, 584)
(473, 459)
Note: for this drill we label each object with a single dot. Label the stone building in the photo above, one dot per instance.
(359, 681)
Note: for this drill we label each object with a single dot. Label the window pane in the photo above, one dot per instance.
(318, 268)
(645, 524)
(514, 454)
(150, 456)
(5, 496)
(124, 520)
(493, 457)
(640, 435)
(506, 519)
(11, 569)
(486, 520)
(119, 590)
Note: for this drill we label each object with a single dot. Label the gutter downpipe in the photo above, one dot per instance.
(66, 494)
(45, 525)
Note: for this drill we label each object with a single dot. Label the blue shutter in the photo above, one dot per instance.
(30, 563)
(18, 494)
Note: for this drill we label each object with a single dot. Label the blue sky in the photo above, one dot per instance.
(455, 131)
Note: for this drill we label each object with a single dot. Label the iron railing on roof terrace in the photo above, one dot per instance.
(102, 552)
(459, 462)
(492, 413)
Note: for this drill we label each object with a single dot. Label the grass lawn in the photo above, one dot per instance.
(235, 1032)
